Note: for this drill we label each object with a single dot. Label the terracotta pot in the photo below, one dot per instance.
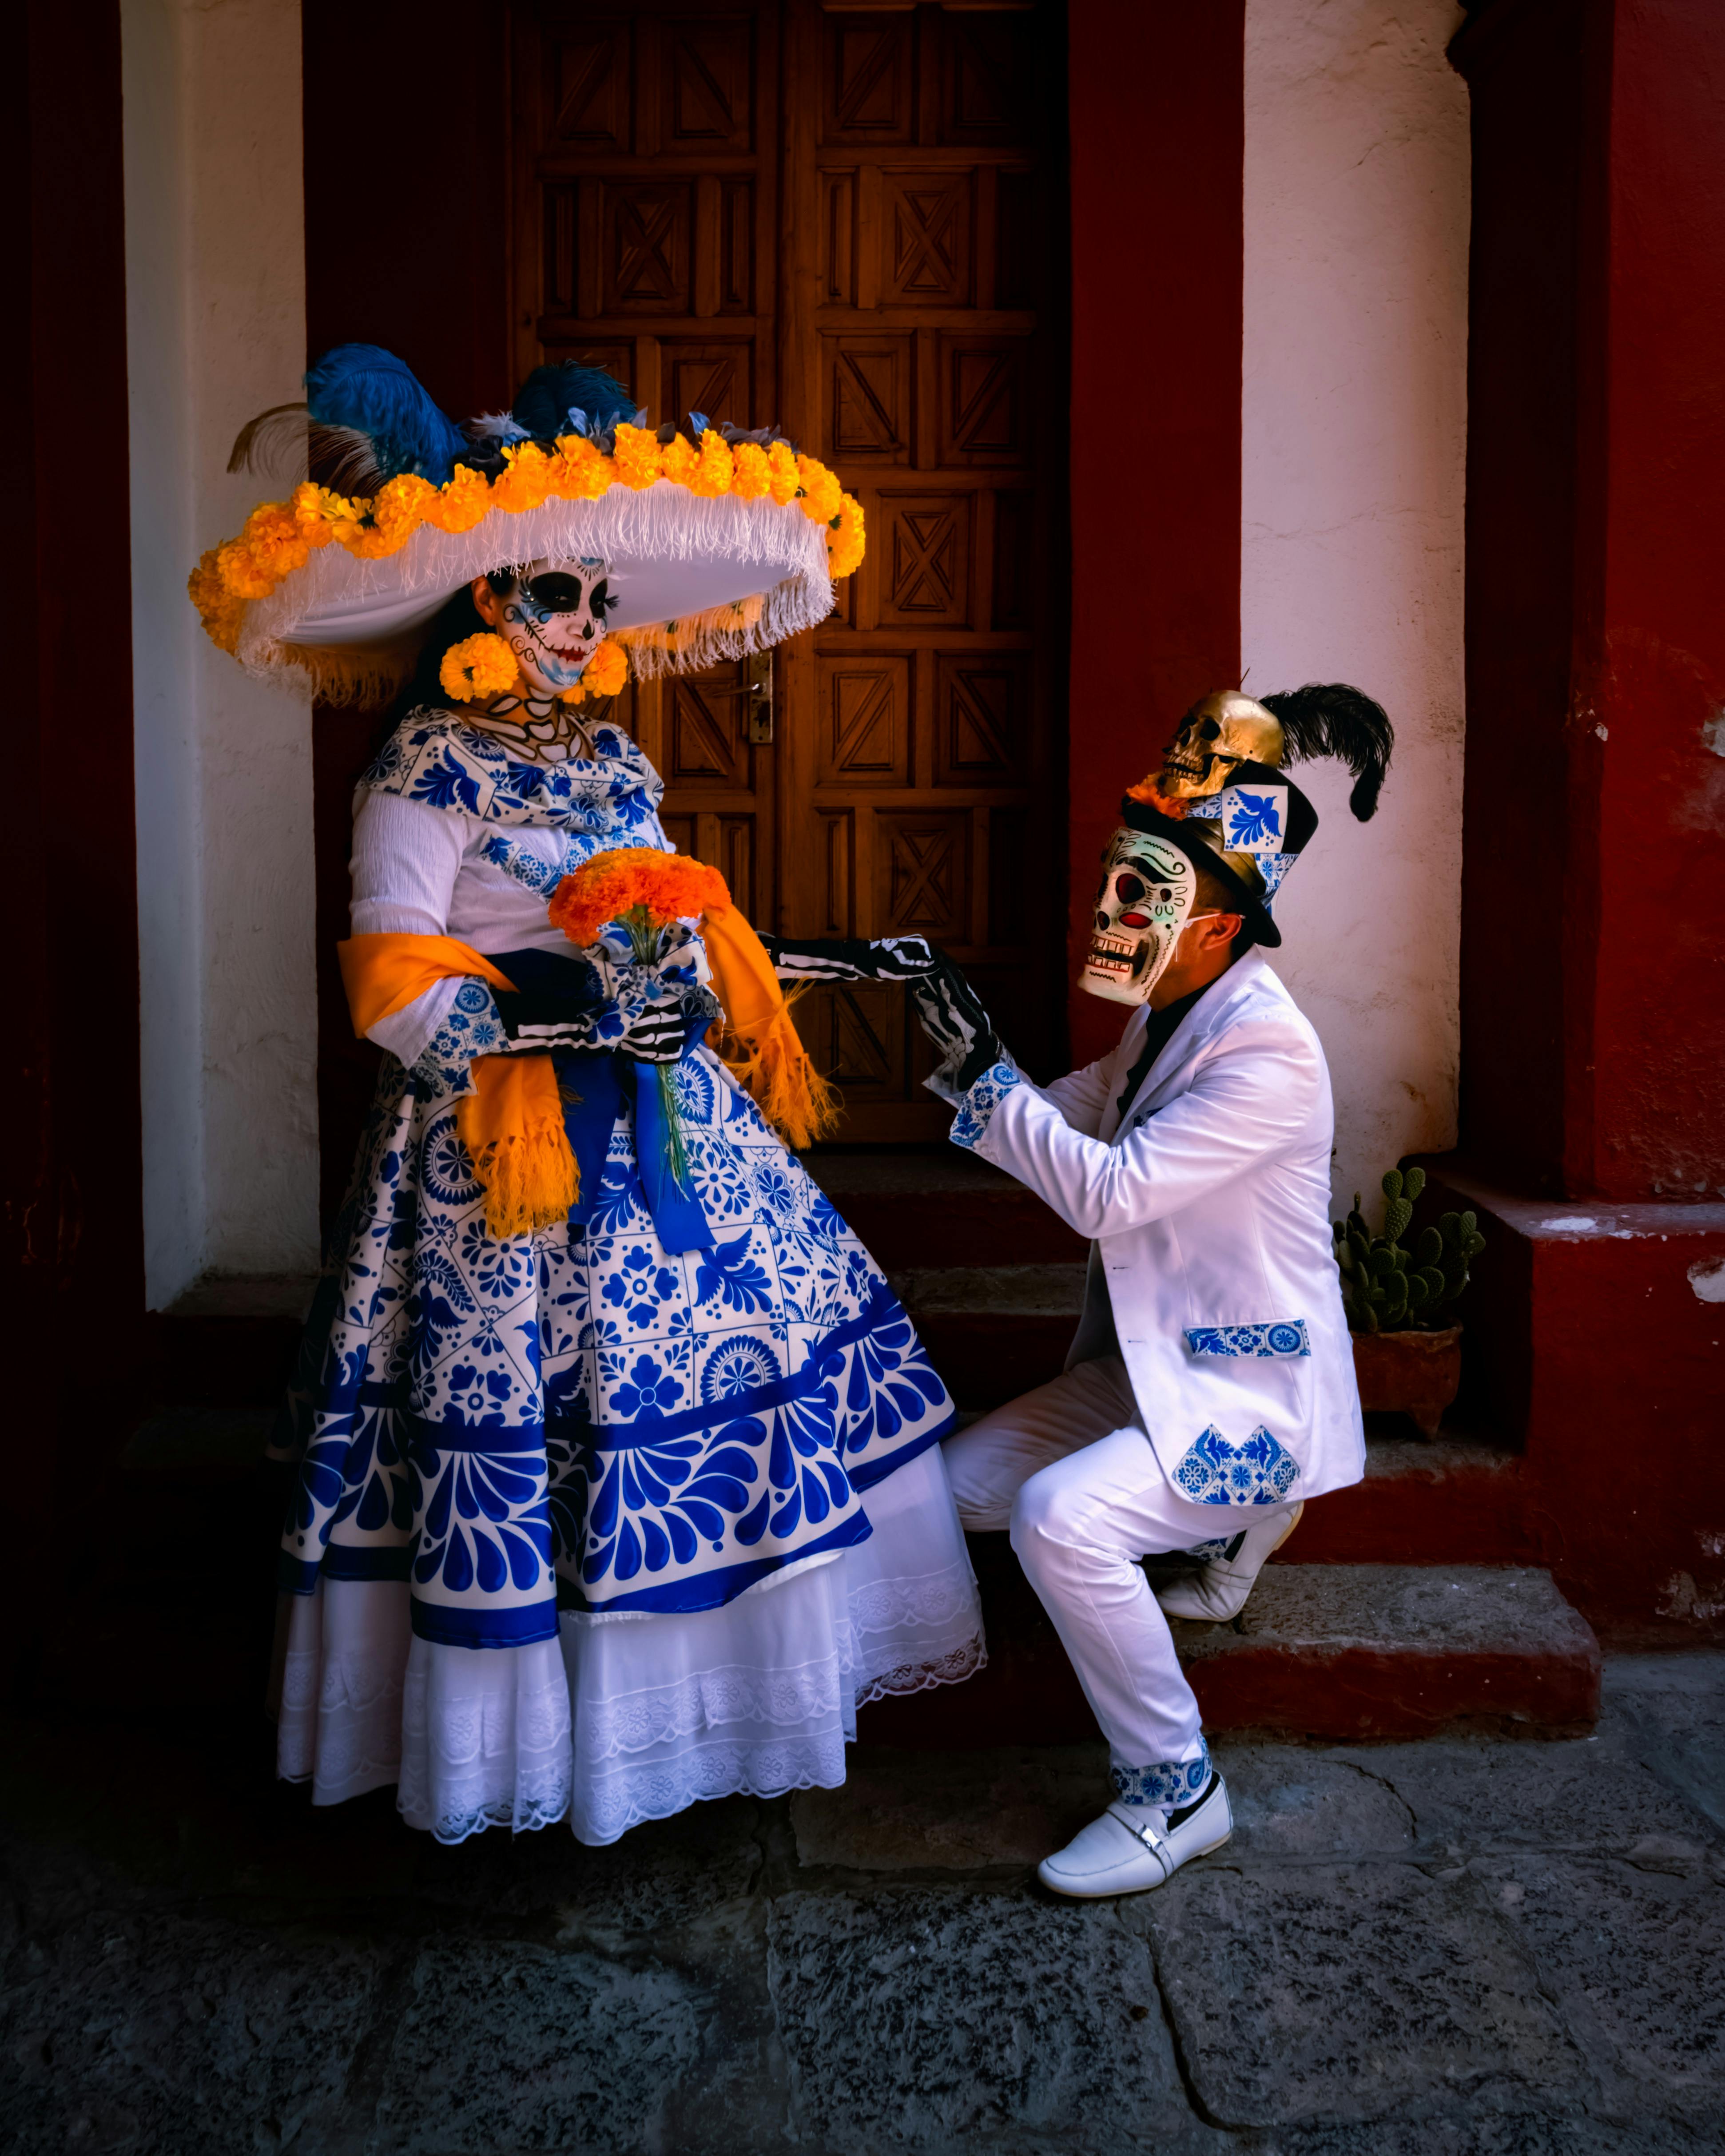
(1412, 1373)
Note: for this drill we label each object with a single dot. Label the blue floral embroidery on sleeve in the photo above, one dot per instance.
(474, 1027)
(1280, 1337)
(976, 1110)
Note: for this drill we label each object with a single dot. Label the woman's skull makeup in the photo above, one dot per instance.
(554, 619)
(1148, 887)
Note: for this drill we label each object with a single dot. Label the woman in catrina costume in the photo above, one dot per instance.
(617, 1480)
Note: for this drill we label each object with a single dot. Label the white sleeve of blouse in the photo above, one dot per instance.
(406, 858)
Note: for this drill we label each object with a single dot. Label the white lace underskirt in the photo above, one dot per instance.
(630, 1717)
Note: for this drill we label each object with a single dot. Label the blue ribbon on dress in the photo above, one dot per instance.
(598, 1085)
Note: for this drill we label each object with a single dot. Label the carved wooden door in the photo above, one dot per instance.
(646, 177)
(850, 221)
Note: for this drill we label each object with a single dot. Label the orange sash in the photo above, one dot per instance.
(773, 1066)
(512, 1123)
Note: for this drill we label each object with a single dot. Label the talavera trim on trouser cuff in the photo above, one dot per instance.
(1166, 1783)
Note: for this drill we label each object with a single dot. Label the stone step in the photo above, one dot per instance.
(993, 1332)
(1333, 1652)
(1448, 1500)
(917, 1207)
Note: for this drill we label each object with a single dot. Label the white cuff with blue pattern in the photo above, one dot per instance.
(474, 1027)
(976, 1108)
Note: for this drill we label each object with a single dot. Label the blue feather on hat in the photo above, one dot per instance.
(547, 402)
(360, 389)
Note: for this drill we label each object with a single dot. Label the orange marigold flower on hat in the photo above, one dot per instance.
(579, 473)
(307, 502)
(713, 474)
(821, 491)
(272, 538)
(525, 479)
(844, 540)
(665, 887)
(242, 576)
(679, 461)
(462, 502)
(751, 475)
(219, 609)
(400, 506)
(1151, 794)
(637, 455)
(782, 465)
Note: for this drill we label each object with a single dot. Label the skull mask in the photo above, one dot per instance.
(1220, 732)
(1146, 900)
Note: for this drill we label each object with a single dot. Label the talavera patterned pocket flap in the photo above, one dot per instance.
(1261, 1472)
(1280, 1335)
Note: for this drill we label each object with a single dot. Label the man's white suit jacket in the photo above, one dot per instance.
(1211, 1262)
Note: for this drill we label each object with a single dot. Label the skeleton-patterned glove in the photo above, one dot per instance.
(952, 1014)
(656, 1034)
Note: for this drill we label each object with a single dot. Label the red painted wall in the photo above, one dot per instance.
(1592, 941)
(1646, 1060)
(1156, 96)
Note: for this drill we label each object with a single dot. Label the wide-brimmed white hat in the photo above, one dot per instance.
(718, 542)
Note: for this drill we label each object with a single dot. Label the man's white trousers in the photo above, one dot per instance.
(1071, 1471)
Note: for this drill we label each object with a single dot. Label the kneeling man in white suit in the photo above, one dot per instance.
(1209, 1389)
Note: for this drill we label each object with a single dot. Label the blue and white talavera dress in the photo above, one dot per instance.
(585, 1526)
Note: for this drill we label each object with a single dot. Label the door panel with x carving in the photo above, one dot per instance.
(851, 222)
(924, 319)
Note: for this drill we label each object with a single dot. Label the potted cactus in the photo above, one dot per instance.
(1401, 1303)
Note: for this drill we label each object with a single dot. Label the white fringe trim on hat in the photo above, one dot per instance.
(628, 530)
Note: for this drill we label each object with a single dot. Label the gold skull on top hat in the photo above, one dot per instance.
(1220, 732)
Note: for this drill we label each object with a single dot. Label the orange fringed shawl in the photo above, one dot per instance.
(513, 1124)
(761, 1048)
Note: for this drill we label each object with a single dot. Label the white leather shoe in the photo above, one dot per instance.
(1219, 1591)
(1132, 1847)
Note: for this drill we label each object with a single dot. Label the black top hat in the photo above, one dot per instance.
(1251, 832)
(1248, 836)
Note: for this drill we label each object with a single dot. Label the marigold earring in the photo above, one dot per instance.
(606, 674)
(481, 665)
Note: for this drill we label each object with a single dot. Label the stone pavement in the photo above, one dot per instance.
(1473, 1947)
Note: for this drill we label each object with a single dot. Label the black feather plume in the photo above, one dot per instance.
(1329, 718)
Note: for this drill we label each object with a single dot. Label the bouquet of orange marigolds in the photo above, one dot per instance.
(640, 890)
(629, 910)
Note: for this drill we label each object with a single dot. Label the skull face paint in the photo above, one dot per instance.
(1221, 730)
(554, 619)
(1146, 900)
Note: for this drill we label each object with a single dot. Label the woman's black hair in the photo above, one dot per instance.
(454, 623)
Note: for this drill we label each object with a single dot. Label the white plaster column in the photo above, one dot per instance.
(1354, 440)
(216, 330)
